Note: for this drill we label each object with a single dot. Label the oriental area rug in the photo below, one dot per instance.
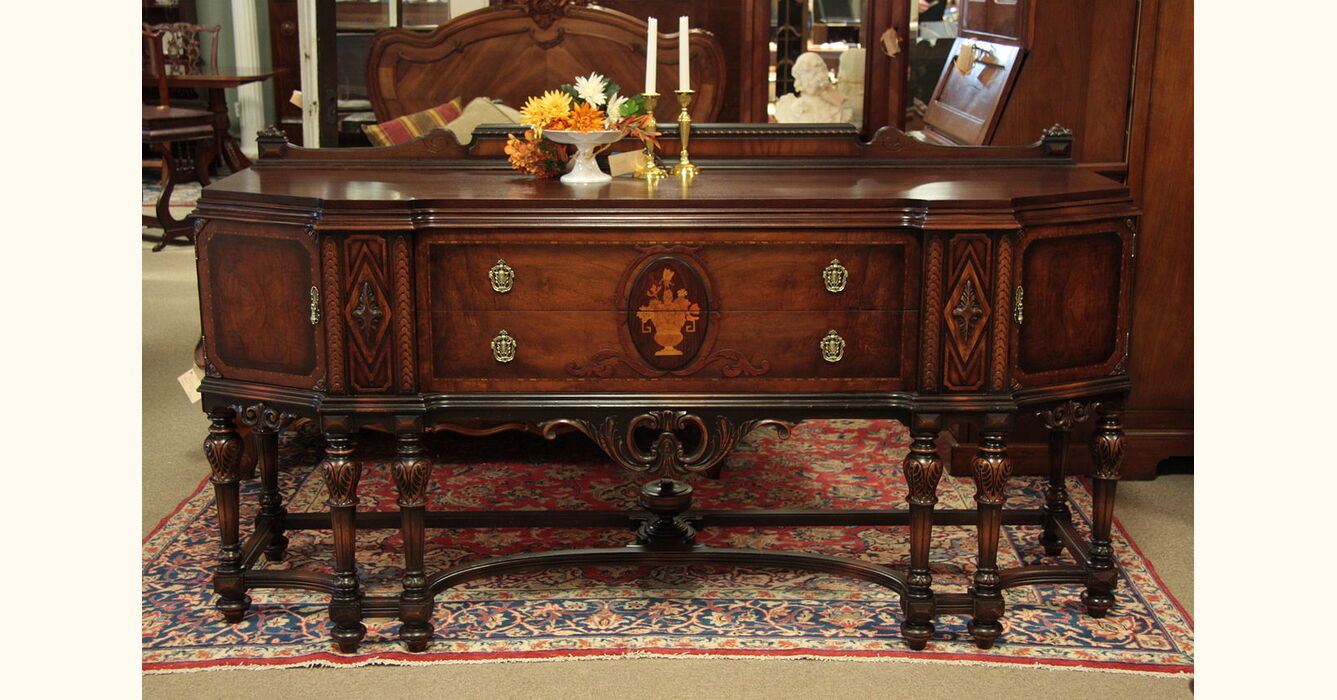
(600, 612)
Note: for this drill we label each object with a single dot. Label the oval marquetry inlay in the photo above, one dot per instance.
(667, 312)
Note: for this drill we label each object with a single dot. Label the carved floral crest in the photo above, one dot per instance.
(545, 12)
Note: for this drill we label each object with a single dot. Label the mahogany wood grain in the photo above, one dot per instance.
(775, 345)
(965, 107)
(505, 53)
(742, 29)
(1159, 419)
(402, 346)
(1078, 72)
(745, 271)
(994, 21)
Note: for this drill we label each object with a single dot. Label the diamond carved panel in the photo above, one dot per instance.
(965, 310)
(367, 313)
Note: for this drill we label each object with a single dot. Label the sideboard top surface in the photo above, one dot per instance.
(751, 188)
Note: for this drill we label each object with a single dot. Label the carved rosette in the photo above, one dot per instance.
(1107, 443)
(666, 453)
(412, 471)
(1064, 415)
(923, 470)
(992, 469)
(341, 470)
(223, 448)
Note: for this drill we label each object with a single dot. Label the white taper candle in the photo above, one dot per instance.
(684, 82)
(651, 48)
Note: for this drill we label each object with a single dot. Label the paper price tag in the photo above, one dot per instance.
(965, 60)
(625, 163)
(190, 383)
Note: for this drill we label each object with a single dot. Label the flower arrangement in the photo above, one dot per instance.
(591, 104)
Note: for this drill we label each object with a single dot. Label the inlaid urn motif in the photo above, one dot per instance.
(668, 312)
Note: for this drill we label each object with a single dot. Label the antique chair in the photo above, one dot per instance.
(164, 125)
(183, 53)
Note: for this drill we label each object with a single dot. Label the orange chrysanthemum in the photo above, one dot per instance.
(534, 156)
(538, 112)
(587, 118)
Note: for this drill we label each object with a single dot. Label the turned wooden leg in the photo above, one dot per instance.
(204, 153)
(342, 471)
(412, 471)
(1059, 420)
(1056, 493)
(223, 449)
(992, 468)
(1107, 448)
(923, 469)
(271, 501)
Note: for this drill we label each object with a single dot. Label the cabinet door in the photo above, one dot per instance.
(257, 286)
(1070, 308)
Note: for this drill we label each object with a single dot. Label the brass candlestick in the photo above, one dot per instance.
(650, 169)
(684, 167)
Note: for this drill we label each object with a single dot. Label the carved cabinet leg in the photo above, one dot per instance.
(223, 450)
(412, 470)
(923, 469)
(1107, 448)
(1059, 420)
(271, 501)
(342, 471)
(991, 468)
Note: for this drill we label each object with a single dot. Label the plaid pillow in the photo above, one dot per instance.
(407, 128)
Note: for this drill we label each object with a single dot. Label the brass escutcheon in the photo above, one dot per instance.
(833, 346)
(834, 277)
(501, 276)
(1018, 307)
(503, 347)
(315, 305)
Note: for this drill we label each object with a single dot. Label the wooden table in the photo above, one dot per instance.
(387, 289)
(215, 81)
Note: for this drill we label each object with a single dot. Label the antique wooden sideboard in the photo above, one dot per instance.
(411, 289)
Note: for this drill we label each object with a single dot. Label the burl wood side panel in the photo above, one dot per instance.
(1076, 281)
(255, 284)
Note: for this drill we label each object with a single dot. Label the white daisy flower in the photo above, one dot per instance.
(614, 111)
(591, 89)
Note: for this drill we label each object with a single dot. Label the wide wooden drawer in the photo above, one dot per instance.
(742, 276)
(748, 347)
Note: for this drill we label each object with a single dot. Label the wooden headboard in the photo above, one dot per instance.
(513, 52)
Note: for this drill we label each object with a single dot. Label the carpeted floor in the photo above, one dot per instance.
(1158, 515)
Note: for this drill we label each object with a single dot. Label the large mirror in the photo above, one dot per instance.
(786, 61)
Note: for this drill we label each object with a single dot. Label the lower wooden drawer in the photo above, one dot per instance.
(750, 349)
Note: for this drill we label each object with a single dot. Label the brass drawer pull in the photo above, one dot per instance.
(501, 276)
(834, 277)
(315, 305)
(503, 347)
(833, 347)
